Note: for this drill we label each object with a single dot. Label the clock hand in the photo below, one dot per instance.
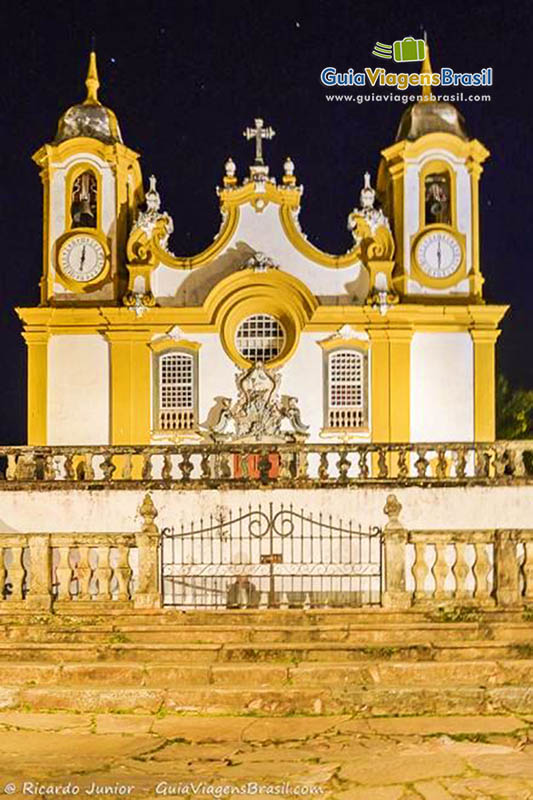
(82, 260)
(439, 254)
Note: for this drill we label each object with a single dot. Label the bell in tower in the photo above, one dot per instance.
(84, 201)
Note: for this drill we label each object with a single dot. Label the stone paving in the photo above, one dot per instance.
(335, 758)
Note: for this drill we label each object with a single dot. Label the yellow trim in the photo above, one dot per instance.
(298, 241)
(400, 385)
(74, 172)
(484, 384)
(66, 280)
(379, 385)
(37, 342)
(427, 280)
(130, 386)
(91, 82)
(167, 343)
(337, 342)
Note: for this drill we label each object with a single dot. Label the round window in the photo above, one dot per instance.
(260, 338)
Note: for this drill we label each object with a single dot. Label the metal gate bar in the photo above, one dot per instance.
(267, 558)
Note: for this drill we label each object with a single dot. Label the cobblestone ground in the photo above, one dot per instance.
(337, 758)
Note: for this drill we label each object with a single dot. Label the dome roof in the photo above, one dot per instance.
(89, 118)
(431, 117)
(428, 115)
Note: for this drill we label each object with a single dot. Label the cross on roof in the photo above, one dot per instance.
(259, 133)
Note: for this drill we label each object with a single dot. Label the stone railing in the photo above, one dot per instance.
(308, 465)
(422, 569)
(460, 568)
(74, 570)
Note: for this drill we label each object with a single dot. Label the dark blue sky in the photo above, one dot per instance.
(186, 77)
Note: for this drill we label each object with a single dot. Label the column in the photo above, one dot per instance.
(380, 384)
(400, 384)
(37, 342)
(484, 385)
(130, 386)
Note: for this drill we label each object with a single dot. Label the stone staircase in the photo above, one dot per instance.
(364, 662)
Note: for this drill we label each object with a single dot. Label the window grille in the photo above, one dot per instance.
(176, 392)
(346, 389)
(260, 338)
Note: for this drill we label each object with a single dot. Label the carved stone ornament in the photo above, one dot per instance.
(139, 302)
(346, 333)
(150, 224)
(260, 262)
(259, 414)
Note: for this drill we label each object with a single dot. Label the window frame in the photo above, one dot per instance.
(328, 354)
(157, 359)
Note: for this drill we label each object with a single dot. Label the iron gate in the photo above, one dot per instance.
(267, 558)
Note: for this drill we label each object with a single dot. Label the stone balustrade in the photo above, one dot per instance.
(284, 465)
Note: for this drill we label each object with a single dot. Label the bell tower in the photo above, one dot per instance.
(92, 187)
(429, 181)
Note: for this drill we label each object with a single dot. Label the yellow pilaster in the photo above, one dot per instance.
(37, 342)
(380, 384)
(484, 384)
(130, 386)
(400, 384)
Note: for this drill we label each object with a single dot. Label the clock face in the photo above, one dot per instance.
(82, 258)
(438, 254)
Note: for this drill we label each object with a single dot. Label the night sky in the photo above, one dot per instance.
(186, 77)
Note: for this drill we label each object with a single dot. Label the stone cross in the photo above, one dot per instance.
(259, 133)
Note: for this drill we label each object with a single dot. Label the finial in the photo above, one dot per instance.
(230, 168)
(153, 200)
(426, 70)
(368, 194)
(92, 83)
(289, 178)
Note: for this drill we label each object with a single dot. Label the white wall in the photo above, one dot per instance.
(442, 387)
(78, 390)
(116, 510)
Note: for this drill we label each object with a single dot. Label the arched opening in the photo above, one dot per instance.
(84, 201)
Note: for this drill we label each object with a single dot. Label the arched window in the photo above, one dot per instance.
(260, 338)
(84, 201)
(346, 389)
(176, 391)
(437, 198)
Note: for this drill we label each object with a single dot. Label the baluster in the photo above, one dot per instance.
(146, 466)
(343, 465)
(63, 573)
(519, 468)
(527, 570)
(186, 466)
(122, 572)
(383, 470)
(223, 466)
(440, 571)
(264, 467)
(285, 465)
(50, 473)
(245, 466)
(205, 465)
(461, 570)
(442, 463)
(89, 469)
(301, 465)
(420, 571)
(403, 467)
(481, 570)
(84, 573)
(460, 464)
(166, 472)
(482, 463)
(25, 470)
(103, 573)
(307, 602)
(363, 464)
(16, 573)
(68, 466)
(284, 601)
(421, 464)
(500, 461)
(323, 471)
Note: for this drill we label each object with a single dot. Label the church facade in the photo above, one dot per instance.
(261, 337)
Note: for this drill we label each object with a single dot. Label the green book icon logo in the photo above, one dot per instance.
(409, 49)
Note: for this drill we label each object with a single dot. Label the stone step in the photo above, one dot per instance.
(371, 701)
(294, 652)
(306, 675)
(397, 633)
